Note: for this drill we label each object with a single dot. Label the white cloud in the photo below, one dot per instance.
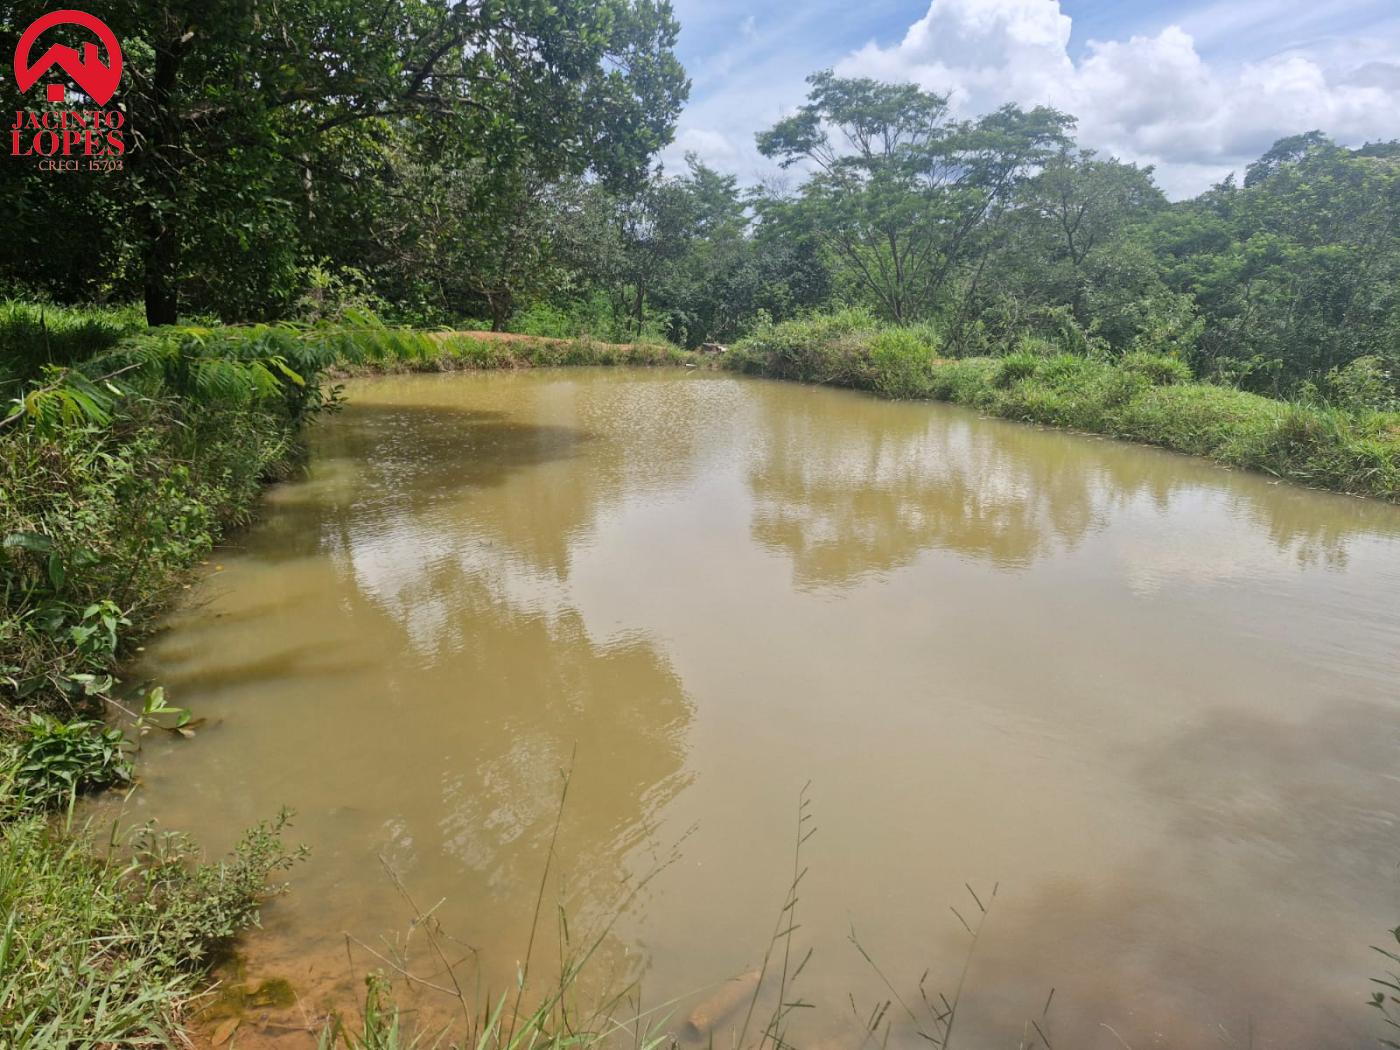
(1151, 99)
(714, 147)
(983, 52)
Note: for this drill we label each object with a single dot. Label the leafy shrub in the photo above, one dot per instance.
(968, 381)
(931, 334)
(1166, 323)
(832, 348)
(337, 294)
(53, 761)
(1068, 335)
(1037, 346)
(1064, 369)
(1364, 384)
(591, 317)
(1159, 369)
(1015, 367)
(901, 361)
(193, 910)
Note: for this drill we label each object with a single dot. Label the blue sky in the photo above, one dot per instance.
(1196, 89)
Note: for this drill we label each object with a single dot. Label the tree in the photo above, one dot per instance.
(899, 188)
(244, 110)
(708, 288)
(1084, 200)
(1298, 271)
(1060, 243)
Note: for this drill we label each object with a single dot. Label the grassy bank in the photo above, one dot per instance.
(468, 351)
(124, 455)
(1151, 398)
(105, 945)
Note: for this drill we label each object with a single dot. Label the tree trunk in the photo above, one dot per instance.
(162, 264)
(501, 308)
(161, 253)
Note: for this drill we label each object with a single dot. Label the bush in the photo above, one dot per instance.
(589, 318)
(1159, 369)
(1067, 369)
(1364, 385)
(335, 293)
(901, 362)
(1013, 368)
(52, 761)
(1038, 346)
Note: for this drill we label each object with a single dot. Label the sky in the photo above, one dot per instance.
(1196, 89)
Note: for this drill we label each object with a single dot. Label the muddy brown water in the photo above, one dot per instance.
(1151, 701)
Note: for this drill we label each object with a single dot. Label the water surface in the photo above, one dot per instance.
(1151, 701)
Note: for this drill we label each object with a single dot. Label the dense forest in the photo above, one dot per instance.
(494, 166)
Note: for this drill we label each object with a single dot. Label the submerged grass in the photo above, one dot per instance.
(1149, 398)
(556, 1017)
(761, 1010)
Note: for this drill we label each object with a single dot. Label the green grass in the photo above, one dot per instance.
(34, 334)
(1150, 398)
(480, 351)
(105, 945)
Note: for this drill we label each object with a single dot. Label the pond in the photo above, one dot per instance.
(1143, 707)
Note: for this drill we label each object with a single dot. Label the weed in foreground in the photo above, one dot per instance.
(560, 1017)
(106, 946)
(760, 1010)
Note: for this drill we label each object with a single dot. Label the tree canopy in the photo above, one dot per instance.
(263, 128)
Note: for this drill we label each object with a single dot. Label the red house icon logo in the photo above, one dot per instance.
(97, 78)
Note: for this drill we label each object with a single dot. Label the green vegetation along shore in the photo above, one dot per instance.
(1331, 440)
(123, 457)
